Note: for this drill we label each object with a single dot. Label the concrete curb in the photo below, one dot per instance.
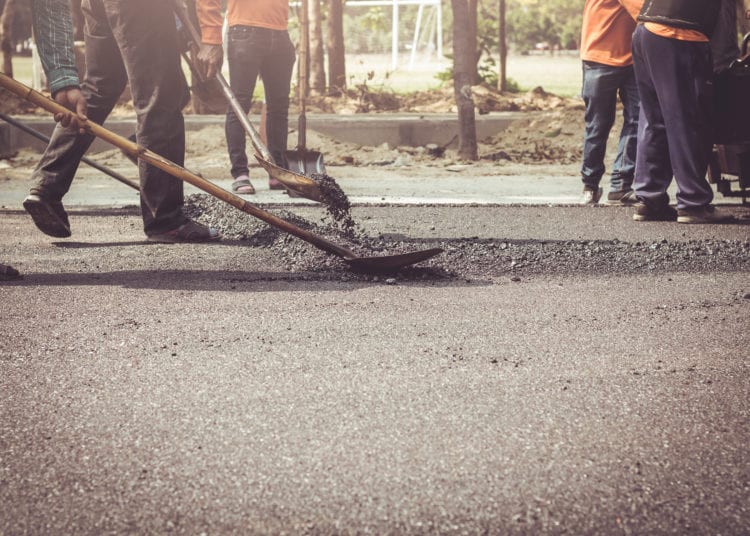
(364, 129)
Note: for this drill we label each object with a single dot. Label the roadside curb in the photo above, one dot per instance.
(364, 129)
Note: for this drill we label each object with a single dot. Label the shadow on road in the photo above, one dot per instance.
(237, 281)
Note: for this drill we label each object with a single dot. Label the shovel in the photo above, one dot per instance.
(297, 183)
(372, 264)
(38, 135)
(300, 159)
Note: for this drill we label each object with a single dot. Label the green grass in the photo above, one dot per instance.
(560, 74)
(556, 74)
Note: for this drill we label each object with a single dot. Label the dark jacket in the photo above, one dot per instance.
(698, 15)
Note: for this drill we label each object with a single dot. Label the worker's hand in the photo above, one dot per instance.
(72, 98)
(210, 58)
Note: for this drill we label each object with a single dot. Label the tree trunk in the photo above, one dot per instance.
(335, 46)
(6, 35)
(473, 38)
(317, 54)
(502, 74)
(464, 69)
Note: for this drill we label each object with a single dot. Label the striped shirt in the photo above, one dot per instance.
(53, 31)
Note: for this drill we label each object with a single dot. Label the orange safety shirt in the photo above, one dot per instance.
(607, 31)
(681, 34)
(272, 14)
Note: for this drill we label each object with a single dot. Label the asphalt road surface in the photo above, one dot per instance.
(219, 389)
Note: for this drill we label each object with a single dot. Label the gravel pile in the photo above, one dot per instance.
(498, 257)
(469, 257)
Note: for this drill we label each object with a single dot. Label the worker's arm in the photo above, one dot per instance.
(53, 31)
(211, 52)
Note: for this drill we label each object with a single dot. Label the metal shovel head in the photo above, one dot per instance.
(304, 186)
(305, 162)
(389, 263)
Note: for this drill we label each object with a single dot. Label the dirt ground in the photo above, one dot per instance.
(551, 132)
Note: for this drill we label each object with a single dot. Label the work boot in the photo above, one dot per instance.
(591, 195)
(49, 216)
(704, 214)
(654, 212)
(191, 231)
(626, 197)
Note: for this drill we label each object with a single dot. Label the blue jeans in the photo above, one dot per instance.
(253, 51)
(601, 85)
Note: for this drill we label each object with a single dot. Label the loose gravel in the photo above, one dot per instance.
(469, 258)
(336, 202)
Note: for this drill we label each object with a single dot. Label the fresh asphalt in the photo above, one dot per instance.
(205, 389)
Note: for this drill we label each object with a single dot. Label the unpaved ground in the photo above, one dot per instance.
(550, 133)
(541, 143)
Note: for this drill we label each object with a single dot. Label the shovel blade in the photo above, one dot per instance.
(297, 183)
(389, 263)
(305, 162)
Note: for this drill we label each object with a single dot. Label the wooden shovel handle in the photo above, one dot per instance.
(173, 169)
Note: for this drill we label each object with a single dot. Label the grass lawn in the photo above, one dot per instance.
(559, 74)
(556, 74)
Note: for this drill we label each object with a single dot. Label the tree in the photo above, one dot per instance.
(502, 41)
(555, 22)
(6, 34)
(303, 71)
(473, 34)
(317, 52)
(335, 46)
(464, 70)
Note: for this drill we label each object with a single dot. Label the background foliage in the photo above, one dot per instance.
(556, 23)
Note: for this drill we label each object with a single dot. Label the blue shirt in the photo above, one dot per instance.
(53, 31)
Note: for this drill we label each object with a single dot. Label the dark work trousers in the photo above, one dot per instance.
(601, 85)
(253, 51)
(136, 41)
(675, 127)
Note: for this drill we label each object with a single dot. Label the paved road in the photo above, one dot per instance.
(207, 389)
(477, 184)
